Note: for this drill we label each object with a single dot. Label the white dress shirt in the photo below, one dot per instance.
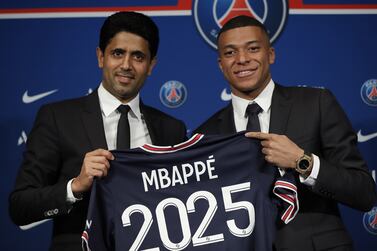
(264, 101)
(138, 128)
(110, 116)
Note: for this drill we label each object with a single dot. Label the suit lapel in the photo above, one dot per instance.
(152, 122)
(280, 110)
(226, 121)
(92, 119)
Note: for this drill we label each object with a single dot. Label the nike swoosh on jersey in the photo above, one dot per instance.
(30, 99)
(225, 96)
(363, 138)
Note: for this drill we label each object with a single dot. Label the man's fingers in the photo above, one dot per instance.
(269, 159)
(101, 152)
(97, 169)
(258, 135)
(267, 143)
(266, 151)
(98, 173)
(97, 159)
(102, 172)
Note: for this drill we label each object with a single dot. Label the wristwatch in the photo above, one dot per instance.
(304, 164)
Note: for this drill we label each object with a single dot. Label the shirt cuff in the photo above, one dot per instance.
(70, 197)
(312, 178)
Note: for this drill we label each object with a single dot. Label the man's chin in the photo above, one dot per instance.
(126, 82)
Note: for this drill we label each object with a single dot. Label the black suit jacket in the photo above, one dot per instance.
(313, 119)
(62, 133)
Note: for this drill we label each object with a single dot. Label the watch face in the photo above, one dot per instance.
(304, 164)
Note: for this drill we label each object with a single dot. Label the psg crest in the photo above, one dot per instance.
(370, 221)
(211, 15)
(173, 94)
(368, 92)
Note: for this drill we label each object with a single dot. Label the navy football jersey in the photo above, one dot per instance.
(208, 193)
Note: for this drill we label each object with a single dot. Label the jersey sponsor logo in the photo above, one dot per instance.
(27, 99)
(211, 15)
(173, 94)
(365, 137)
(370, 221)
(368, 92)
(225, 96)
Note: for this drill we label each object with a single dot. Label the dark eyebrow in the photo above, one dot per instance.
(138, 53)
(118, 50)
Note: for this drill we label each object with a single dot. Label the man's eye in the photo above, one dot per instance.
(117, 53)
(229, 53)
(254, 48)
(139, 56)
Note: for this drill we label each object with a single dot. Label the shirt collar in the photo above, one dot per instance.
(109, 103)
(263, 100)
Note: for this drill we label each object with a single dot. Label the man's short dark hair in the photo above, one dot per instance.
(133, 22)
(241, 21)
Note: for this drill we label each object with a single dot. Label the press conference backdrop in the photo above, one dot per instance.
(47, 53)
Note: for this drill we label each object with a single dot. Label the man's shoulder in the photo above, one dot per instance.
(301, 89)
(153, 112)
(67, 106)
(212, 124)
(302, 93)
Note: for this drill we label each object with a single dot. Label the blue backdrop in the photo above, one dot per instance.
(49, 47)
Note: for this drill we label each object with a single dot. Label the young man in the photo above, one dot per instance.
(69, 144)
(302, 130)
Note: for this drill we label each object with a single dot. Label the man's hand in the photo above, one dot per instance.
(278, 149)
(95, 164)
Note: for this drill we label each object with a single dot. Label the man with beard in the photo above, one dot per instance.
(69, 144)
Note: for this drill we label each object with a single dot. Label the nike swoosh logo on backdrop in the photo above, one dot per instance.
(366, 137)
(225, 96)
(30, 99)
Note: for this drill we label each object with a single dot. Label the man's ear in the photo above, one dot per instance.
(219, 62)
(100, 57)
(151, 66)
(271, 55)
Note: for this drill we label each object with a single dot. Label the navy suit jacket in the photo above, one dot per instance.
(62, 134)
(313, 119)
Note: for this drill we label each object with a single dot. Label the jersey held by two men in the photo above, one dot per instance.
(208, 193)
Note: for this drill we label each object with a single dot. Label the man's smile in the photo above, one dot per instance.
(245, 73)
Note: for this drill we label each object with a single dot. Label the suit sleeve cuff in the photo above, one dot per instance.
(70, 197)
(312, 178)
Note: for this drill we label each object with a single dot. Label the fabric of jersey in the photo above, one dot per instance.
(235, 161)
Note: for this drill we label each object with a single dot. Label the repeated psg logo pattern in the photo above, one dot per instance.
(368, 92)
(173, 94)
(211, 15)
(370, 221)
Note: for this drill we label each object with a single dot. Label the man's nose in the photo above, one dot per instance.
(242, 57)
(126, 63)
